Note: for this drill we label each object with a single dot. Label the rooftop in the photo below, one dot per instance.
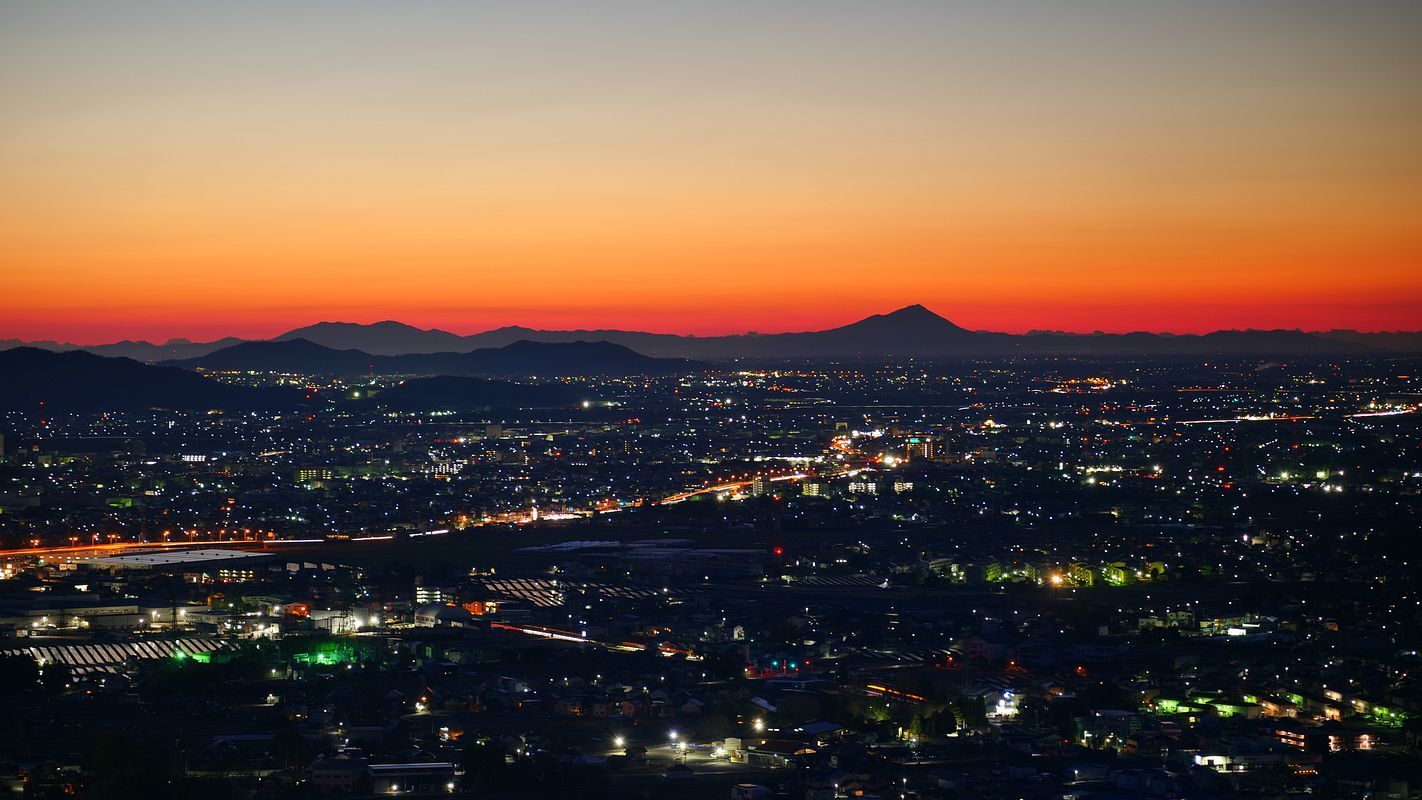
(175, 557)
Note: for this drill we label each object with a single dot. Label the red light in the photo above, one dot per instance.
(779, 551)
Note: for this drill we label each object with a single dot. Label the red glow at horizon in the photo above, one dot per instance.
(97, 327)
(219, 171)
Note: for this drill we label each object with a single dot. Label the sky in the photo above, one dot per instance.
(207, 169)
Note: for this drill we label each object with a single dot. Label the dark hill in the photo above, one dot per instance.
(521, 359)
(42, 381)
(918, 332)
(388, 338)
(149, 352)
(912, 331)
(539, 359)
(909, 331)
(292, 355)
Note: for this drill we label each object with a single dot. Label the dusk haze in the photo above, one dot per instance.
(211, 169)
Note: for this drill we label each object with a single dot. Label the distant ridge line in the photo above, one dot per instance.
(911, 331)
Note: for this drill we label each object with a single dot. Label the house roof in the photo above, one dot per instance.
(818, 728)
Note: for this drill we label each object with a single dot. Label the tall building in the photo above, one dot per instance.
(921, 447)
(312, 474)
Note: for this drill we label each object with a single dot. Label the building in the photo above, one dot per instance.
(344, 774)
(863, 486)
(313, 474)
(777, 753)
(1326, 738)
(437, 615)
(197, 566)
(414, 778)
(427, 595)
(921, 447)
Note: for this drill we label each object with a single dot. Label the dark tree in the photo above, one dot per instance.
(18, 675)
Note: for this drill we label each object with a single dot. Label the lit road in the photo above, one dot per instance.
(841, 446)
(555, 634)
(118, 548)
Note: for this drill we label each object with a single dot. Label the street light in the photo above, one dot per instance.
(619, 742)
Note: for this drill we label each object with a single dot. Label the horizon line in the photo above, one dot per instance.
(612, 329)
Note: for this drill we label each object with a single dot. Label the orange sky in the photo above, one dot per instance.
(175, 170)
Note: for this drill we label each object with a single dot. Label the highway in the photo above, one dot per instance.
(841, 446)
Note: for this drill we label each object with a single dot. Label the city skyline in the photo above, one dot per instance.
(177, 170)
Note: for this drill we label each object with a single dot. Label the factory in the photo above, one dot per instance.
(196, 566)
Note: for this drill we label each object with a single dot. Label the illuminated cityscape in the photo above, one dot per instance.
(776, 400)
(926, 576)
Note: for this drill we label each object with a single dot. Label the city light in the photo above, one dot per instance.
(405, 399)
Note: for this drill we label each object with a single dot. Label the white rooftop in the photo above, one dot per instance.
(174, 557)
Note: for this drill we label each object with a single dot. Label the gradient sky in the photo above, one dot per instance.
(202, 169)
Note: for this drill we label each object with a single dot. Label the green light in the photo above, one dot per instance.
(327, 654)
